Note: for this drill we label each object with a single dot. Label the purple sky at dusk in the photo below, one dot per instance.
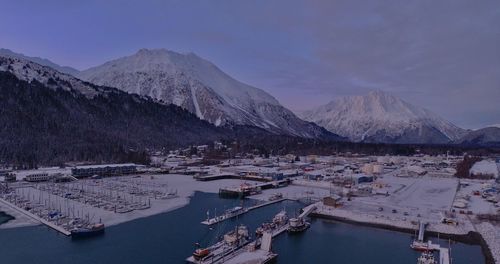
(442, 55)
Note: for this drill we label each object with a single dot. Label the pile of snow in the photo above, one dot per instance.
(485, 167)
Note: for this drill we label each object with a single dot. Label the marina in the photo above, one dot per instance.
(88, 208)
(164, 244)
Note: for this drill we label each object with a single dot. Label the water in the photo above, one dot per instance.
(5, 218)
(170, 238)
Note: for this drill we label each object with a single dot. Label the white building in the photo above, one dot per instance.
(484, 168)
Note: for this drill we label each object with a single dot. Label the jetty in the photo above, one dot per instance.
(218, 219)
(245, 189)
(36, 218)
(307, 210)
(444, 256)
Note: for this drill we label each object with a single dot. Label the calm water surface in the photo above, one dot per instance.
(170, 238)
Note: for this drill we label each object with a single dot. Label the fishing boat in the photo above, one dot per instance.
(232, 241)
(276, 196)
(423, 246)
(297, 225)
(281, 218)
(426, 258)
(279, 221)
(87, 230)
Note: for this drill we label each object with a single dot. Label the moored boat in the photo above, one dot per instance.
(87, 230)
(233, 240)
(426, 258)
(297, 225)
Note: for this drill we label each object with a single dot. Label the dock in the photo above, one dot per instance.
(218, 219)
(250, 189)
(307, 210)
(444, 256)
(36, 218)
(419, 243)
(421, 231)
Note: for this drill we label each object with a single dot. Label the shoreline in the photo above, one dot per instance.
(471, 238)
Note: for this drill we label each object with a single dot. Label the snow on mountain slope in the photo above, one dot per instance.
(381, 117)
(29, 71)
(200, 87)
(488, 136)
(41, 61)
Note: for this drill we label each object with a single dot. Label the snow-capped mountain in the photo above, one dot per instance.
(27, 70)
(51, 117)
(200, 87)
(488, 136)
(382, 117)
(38, 60)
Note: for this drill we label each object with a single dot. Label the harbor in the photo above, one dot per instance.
(425, 206)
(164, 244)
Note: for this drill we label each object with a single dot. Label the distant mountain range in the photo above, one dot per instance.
(41, 61)
(488, 136)
(201, 88)
(382, 117)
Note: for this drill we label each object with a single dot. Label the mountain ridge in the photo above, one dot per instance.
(199, 86)
(42, 61)
(381, 117)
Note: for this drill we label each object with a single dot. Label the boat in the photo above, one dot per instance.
(232, 241)
(237, 236)
(201, 253)
(279, 221)
(426, 258)
(87, 230)
(422, 246)
(276, 196)
(281, 218)
(297, 225)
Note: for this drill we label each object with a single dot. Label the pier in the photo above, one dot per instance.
(444, 256)
(36, 218)
(250, 189)
(218, 219)
(421, 231)
(307, 210)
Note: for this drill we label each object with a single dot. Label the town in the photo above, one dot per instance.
(418, 193)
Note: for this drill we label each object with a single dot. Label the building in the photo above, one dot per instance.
(484, 169)
(333, 200)
(37, 177)
(104, 170)
(10, 177)
(4, 173)
(361, 178)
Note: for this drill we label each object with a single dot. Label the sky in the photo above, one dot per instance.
(442, 55)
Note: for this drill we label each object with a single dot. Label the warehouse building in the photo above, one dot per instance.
(103, 170)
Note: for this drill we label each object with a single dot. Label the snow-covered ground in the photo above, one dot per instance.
(183, 184)
(491, 235)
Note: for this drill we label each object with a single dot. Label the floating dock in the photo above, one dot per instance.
(36, 218)
(221, 218)
(444, 256)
